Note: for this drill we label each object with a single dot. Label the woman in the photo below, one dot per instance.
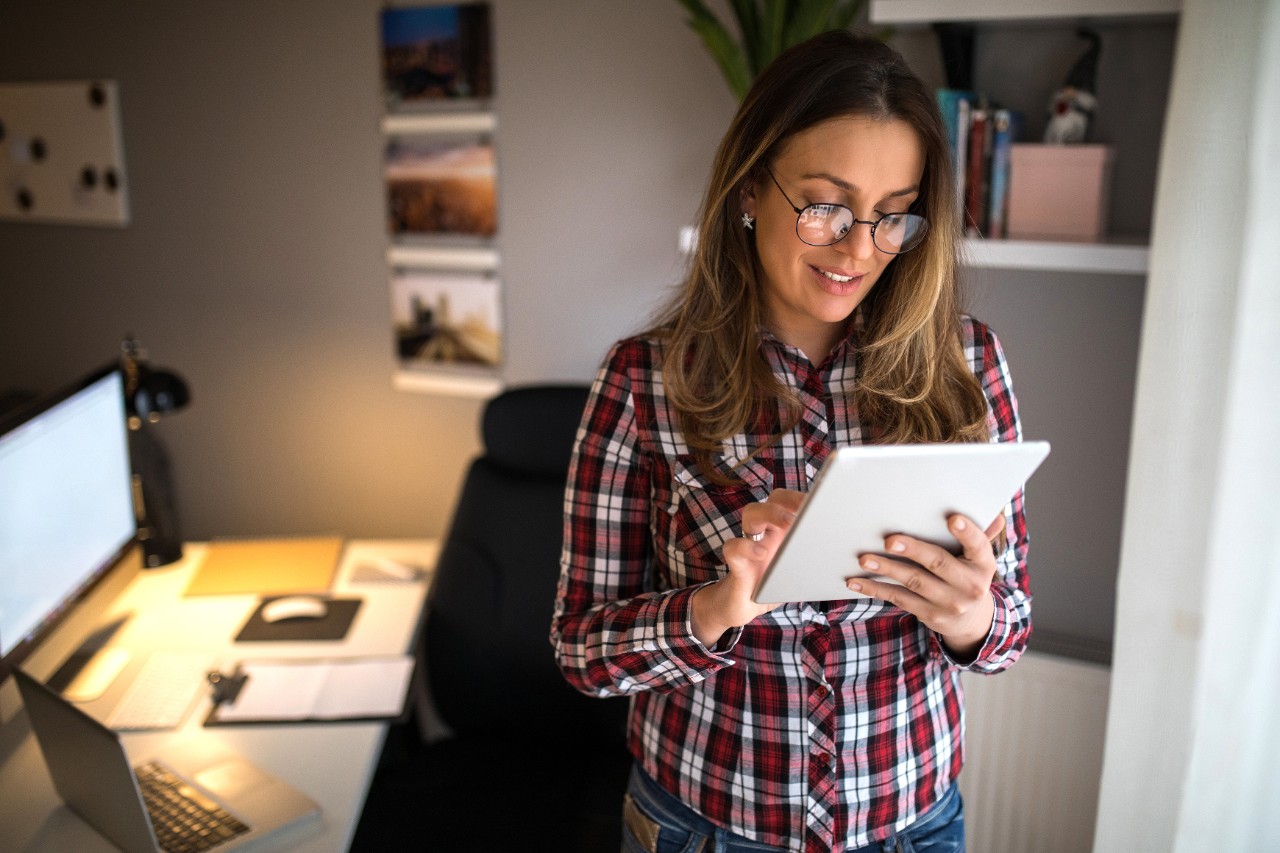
(820, 311)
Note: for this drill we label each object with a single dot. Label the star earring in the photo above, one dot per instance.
(747, 222)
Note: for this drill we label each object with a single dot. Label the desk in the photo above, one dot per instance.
(333, 763)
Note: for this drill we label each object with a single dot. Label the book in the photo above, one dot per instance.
(977, 174)
(1007, 126)
(980, 133)
(955, 106)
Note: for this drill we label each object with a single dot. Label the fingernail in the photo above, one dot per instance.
(898, 547)
(855, 586)
(959, 524)
(870, 564)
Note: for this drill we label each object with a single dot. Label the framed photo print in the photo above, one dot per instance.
(447, 319)
(436, 53)
(441, 187)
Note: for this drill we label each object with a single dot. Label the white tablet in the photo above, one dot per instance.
(864, 493)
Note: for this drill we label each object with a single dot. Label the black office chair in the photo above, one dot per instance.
(530, 758)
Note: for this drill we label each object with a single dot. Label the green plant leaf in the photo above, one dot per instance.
(808, 19)
(720, 44)
(748, 16)
(772, 29)
(765, 29)
(842, 18)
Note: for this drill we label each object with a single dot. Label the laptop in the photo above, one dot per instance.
(133, 807)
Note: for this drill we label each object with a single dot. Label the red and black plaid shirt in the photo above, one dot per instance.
(818, 726)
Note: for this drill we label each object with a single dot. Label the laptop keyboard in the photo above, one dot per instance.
(184, 819)
(163, 691)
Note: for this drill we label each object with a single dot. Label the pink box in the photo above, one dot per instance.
(1059, 191)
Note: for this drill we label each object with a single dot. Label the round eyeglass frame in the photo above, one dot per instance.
(874, 223)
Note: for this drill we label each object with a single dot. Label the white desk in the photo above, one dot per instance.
(333, 763)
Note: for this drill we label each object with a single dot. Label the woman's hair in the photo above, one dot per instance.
(913, 382)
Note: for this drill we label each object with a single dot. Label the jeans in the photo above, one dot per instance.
(655, 821)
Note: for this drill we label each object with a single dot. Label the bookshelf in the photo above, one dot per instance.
(1120, 255)
(1070, 316)
(1126, 254)
(928, 11)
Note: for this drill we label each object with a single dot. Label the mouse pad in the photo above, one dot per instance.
(332, 626)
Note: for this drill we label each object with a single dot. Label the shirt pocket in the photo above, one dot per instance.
(704, 514)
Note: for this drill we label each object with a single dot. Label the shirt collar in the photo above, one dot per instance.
(857, 324)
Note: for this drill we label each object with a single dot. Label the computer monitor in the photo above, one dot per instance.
(66, 505)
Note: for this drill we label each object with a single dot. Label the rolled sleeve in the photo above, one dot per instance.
(612, 633)
(1010, 589)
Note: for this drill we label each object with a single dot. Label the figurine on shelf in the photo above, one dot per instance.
(1073, 105)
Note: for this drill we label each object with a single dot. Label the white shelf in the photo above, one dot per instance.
(928, 11)
(439, 123)
(460, 258)
(1122, 257)
(1119, 256)
(480, 387)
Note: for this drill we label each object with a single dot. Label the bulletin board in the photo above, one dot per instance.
(61, 155)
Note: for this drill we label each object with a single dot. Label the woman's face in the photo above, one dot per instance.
(874, 168)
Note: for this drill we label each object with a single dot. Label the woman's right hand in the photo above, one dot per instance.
(727, 603)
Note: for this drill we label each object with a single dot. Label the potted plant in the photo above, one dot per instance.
(764, 28)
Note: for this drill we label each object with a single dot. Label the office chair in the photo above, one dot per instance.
(529, 757)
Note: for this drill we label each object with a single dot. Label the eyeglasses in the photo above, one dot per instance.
(828, 224)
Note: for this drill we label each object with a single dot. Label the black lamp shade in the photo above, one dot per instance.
(158, 393)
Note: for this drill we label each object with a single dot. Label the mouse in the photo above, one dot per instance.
(294, 607)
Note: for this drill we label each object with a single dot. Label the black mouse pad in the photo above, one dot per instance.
(332, 625)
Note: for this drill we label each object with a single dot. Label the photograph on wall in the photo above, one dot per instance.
(447, 319)
(436, 53)
(441, 187)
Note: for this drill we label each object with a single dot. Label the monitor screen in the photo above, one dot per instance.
(66, 504)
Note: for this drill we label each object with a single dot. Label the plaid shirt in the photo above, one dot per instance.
(820, 726)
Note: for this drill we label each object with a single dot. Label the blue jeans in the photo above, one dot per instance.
(655, 821)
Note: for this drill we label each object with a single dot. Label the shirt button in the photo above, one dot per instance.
(820, 691)
(821, 759)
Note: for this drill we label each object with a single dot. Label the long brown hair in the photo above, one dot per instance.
(913, 382)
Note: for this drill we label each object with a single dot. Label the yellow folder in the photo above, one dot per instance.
(267, 566)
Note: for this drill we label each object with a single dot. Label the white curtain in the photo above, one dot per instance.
(1192, 759)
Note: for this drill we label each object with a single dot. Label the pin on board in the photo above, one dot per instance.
(61, 156)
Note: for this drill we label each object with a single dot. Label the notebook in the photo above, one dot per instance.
(92, 774)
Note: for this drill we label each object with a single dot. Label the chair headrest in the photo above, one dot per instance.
(531, 429)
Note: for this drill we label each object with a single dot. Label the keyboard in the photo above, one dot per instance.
(163, 692)
(184, 819)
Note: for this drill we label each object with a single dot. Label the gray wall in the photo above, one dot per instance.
(1072, 344)
(253, 263)
(254, 260)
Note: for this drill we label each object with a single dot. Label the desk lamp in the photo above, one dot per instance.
(150, 394)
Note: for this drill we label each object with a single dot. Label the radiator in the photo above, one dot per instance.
(1034, 745)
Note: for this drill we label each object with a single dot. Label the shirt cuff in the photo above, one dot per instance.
(682, 647)
(996, 650)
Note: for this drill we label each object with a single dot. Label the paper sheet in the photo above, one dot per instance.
(291, 690)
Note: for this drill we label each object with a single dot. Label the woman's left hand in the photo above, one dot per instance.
(948, 593)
